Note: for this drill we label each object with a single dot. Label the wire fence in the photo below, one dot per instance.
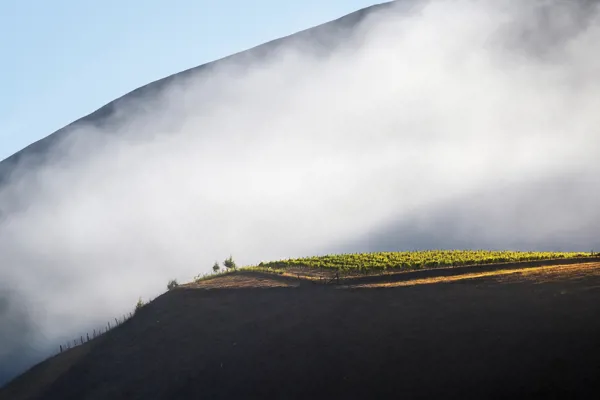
(334, 279)
(95, 333)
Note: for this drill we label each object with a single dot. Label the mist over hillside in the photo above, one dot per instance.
(409, 125)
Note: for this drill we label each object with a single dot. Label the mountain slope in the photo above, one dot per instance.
(323, 38)
(515, 337)
(359, 173)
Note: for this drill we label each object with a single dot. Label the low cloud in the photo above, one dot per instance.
(429, 124)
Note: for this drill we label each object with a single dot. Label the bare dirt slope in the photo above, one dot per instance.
(523, 335)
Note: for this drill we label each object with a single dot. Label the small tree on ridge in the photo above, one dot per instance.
(172, 284)
(139, 305)
(229, 263)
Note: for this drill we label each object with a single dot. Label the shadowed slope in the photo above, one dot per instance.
(110, 114)
(479, 338)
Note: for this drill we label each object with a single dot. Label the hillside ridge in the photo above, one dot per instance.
(37, 150)
(450, 338)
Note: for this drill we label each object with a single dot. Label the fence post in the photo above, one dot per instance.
(81, 339)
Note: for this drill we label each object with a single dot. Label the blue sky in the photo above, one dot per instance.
(63, 59)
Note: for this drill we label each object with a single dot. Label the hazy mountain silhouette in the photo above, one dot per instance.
(476, 219)
(322, 38)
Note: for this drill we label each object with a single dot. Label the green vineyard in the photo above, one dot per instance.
(412, 260)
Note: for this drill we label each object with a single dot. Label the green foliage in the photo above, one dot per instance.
(412, 260)
(172, 284)
(229, 263)
(139, 305)
(216, 267)
(259, 268)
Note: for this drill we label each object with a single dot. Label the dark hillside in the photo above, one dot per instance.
(477, 338)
